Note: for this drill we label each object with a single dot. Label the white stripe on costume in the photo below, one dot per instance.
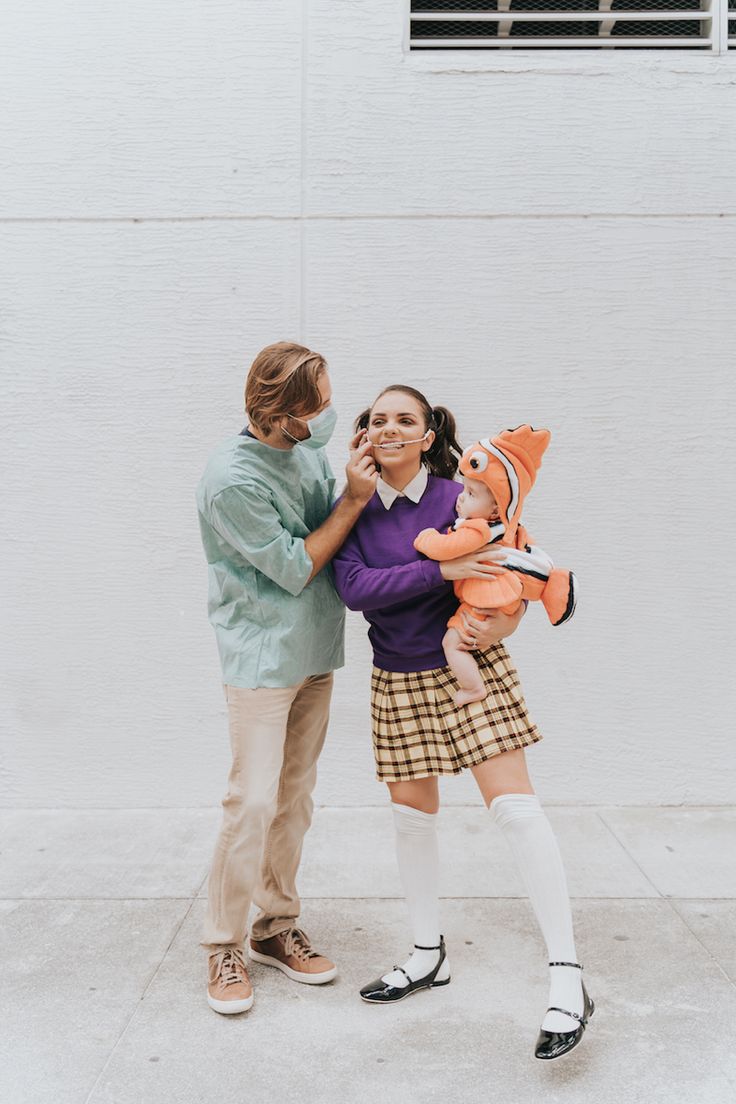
(510, 471)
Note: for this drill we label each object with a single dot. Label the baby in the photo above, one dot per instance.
(497, 475)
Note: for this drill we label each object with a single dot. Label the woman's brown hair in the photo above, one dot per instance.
(283, 379)
(443, 457)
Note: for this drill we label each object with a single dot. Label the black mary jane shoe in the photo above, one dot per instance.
(553, 1044)
(380, 992)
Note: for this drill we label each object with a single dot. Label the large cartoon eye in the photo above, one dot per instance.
(478, 461)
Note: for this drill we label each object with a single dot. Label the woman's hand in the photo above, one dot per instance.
(494, 559)
(495, 628)
(475, 565)
(361, 469)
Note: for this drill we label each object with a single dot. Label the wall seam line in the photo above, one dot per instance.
(302, 184)
(303, 218)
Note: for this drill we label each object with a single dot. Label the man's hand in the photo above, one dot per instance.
(481, 634)
(361, 469)
(324, 542)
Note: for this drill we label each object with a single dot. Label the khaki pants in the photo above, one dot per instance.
(276, 737)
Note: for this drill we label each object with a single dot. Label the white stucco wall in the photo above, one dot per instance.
(547, 240)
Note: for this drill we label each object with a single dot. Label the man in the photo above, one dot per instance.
(269, 530)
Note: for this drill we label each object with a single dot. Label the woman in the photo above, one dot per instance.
(418, 732)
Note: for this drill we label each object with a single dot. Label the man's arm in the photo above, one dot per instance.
(324, 542)
(248, 520)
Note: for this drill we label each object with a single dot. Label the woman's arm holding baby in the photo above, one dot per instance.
(496, 626)
(362, 587)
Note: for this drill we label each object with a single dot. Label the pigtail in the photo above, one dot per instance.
(443, 457)
(361, 422)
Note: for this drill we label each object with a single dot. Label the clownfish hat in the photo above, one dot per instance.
(508, 465)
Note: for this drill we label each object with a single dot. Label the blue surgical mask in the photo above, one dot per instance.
(320, 428)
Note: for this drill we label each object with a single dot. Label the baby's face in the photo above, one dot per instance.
(477, 501)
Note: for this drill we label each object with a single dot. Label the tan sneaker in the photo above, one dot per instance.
(229, 989)
(291, 952)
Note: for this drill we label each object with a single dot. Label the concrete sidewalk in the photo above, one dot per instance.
(104, 981)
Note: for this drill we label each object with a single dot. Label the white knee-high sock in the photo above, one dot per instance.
(529, 833)
(418, 861)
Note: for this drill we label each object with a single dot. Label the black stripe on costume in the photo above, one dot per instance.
(571, 603)
(523, 571)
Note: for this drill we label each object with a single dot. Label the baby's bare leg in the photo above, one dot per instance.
(465, 670)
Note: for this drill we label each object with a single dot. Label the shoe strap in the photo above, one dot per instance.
(573, 1015)
(575, 964)
(433, 973)
(441, 958)
(437, 948)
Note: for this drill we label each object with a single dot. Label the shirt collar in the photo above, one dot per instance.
(413, 490)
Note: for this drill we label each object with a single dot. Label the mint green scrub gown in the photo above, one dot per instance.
(256, 506)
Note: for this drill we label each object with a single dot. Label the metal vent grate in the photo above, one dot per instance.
(575, 24)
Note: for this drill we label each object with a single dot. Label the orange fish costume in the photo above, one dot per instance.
(508, 465)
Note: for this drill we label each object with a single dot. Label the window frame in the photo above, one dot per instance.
(566, 60)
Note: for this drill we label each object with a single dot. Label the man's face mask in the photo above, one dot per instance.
(320, 428)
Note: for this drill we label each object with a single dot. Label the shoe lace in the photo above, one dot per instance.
(297, 943)
(228, 965)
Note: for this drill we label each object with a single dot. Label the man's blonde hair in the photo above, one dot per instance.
(283, 379)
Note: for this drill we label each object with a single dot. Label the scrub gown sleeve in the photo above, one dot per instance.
(247, 519)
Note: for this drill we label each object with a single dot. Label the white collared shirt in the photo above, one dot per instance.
(413, 490)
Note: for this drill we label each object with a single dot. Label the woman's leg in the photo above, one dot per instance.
(418, 793)
(504, 783)
(414, 805)
(503, 774)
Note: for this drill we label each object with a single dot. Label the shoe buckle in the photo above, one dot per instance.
(566, 1012)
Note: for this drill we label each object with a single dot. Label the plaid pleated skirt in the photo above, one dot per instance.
(418, 731)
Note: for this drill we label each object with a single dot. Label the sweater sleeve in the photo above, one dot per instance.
(367, 588)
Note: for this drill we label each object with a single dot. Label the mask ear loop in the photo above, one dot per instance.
(296, 440)
(434, 425)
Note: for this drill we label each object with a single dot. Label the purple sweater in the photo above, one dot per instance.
(401, 593)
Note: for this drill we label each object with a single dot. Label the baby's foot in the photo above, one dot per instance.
(477, 693)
